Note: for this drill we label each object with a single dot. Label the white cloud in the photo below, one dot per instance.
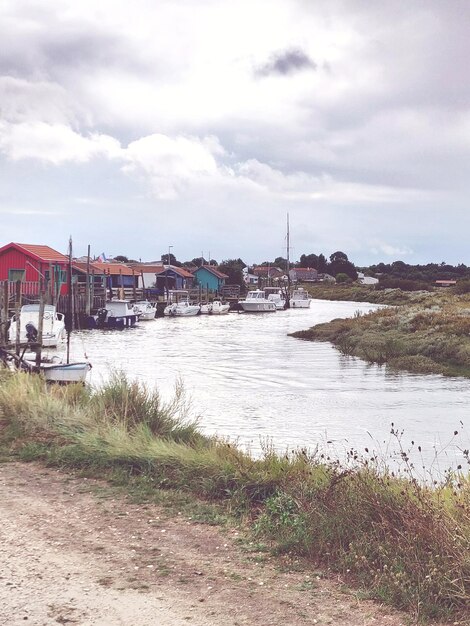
(381, 247)
(53, 143)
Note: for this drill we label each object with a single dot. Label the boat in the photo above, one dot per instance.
(300, 299)
(278, 300)
(53, 325)
(179, 305)
(215, 308)
(147, 310)
(256, 302)
(181, 309)
(116, 314)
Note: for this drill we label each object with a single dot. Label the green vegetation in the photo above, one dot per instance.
(354, 292)
(431, 336)
(406, 541)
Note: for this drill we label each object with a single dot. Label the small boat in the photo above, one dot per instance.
(53, 325)
(181, 309)
(147, 310)
(256, 302)
(116, 314)
(65, 372)
(300, 299)
(278, 300)
(215, 308)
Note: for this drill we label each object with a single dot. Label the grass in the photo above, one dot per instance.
(405, 541)
(431, 337)
(354, 292)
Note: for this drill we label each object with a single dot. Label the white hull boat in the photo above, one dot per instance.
(147, 310)
(118, 314)
(256, 302)
(300, 299)
(53, 325)
(181, 309)
(65, 372)
(215, 308)
(278, 300)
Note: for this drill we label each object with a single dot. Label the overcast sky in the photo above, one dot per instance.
(200, 123)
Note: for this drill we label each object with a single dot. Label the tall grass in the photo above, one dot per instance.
(406, 541)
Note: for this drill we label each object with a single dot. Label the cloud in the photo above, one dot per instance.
(286, 62)
(381, 247)
(53, 143)
(171, 164)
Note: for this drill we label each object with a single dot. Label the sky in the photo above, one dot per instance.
(199, 124)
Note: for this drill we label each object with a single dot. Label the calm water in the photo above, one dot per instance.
(249, 380)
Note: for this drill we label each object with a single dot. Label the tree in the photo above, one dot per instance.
(342, 278)
(322, 263)
(172, 261)
(198, 261)
(308, 260)
(234, 270)
(338, 257)
(121, 258)
(280, 262)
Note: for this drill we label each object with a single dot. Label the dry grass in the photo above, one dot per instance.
(406, 541)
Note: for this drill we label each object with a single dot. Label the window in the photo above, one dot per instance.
(15, 275)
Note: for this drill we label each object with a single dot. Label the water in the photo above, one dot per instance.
(248, 380)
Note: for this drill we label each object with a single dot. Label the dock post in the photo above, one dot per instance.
(17, 316)
(40, 327)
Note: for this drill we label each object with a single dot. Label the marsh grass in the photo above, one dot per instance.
(427, 339)
(408, 542)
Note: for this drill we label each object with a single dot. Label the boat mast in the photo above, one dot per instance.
(288, 263)
(69, 325)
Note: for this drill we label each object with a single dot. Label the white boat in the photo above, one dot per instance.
(116, 314)
(65, 372)
(215, 308)
(181, 309)
(256, 302)
(278, 300)
(53, 325)
(300, 299)
(147, 310)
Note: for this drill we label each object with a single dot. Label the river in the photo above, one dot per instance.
(249, 381)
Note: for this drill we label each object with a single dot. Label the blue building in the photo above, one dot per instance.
(208, 277)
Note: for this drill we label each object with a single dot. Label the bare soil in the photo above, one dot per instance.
(75, 551)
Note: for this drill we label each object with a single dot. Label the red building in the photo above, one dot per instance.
(30, 264)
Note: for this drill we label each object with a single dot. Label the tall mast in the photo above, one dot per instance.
(70, 301)
(288, 262)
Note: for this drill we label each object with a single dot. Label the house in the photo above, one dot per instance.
(208, 277)
(366, 280)
(147, 273)
(326, 278)
(266, 272)
(445, 283)
(32, 264)
(303, 275)
(118, 275)
(97, 276)
(250, 279)
(172, 277)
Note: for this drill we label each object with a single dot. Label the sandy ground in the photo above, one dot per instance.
(74, 551)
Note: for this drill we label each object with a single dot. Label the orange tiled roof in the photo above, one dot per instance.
(81, 267)
(43, 253)
(115, 268)
(178, 270)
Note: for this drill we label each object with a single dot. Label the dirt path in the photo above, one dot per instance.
(74, 552)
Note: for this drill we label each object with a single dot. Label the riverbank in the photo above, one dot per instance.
(366, 293)
(431, 336)
(408, 545)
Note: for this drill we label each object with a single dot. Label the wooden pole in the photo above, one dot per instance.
(87, 286)
(40, 328)
(4, 314)
(17, 316)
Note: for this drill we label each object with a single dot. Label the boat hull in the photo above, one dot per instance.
(258, 307)
(300, 304)
(65, 373)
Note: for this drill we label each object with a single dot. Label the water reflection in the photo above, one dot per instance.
(250, 381)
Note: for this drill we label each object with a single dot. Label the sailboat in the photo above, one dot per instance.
(54, 370)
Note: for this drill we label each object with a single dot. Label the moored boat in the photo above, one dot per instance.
(116, 314)
(146, 309)
(256, 302)
(278, 300)
(215, 308)
(181, 309)
(300, 299)
(53, 325)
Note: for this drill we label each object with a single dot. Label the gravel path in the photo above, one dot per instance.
(76, 551)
